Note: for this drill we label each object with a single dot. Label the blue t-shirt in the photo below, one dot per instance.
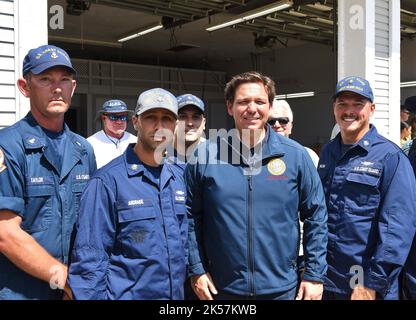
(155, 172)
(57, 141)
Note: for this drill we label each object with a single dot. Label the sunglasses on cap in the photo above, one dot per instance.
(281, 120)
(114, 117)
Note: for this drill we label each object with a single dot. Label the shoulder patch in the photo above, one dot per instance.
(2, 166)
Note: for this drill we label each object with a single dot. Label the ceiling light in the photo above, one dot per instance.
(408, 84)
(295, 95)
(142, 32)
(250, 15)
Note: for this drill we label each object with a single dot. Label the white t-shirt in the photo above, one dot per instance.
(314, 156)
(107, 148)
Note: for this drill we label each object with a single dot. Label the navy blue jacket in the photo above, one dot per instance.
(371, 199)
(243, 215)
(131, 240)
(409, 273)
(45, 197)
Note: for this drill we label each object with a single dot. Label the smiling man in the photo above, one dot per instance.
(371, 220)
(44, 168)
(132, 231)
(243, 230)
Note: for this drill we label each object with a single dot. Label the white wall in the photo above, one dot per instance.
(7, 64)
(23, 25)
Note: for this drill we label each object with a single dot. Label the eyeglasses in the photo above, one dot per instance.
(281, 120)
(114, 117)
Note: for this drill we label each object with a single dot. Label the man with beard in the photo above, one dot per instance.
(132, 228)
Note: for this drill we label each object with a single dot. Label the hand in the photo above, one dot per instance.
(203, 286)
(310, 290)
(363, 293)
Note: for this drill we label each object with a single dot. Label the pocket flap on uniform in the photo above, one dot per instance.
(39, 190)
(78, 187)
(134, 214)
(363, 179)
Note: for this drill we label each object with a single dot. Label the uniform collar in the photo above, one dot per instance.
(364, 143)
(135, 166)
(35, 138)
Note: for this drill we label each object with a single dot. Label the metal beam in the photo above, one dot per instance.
(295, 28)
(266, 31)
(143, 8)
(306, 21)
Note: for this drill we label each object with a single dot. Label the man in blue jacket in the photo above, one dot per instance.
(131, 240)
(370, 193)
(244, 194)
(44, 167)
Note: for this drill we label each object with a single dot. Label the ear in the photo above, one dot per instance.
(230, 108)
(372, 109)
(74, 85)
(204, 121)
(23, 87)
(135, 122)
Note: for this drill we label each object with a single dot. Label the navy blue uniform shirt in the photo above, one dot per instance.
(131, 240)
(44, 193)
(371, 199)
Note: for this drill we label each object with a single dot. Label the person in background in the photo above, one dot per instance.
(371, 221)
(281, 121)
(404, 113)
(131, 239)
(44, 168)
(189, 134)
(191, 126)
(405, 136)
(113, 139)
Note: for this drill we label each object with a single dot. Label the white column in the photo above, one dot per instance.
(31, 30)
(394, 74)
(369, 46)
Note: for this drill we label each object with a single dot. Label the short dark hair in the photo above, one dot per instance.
(249, 77)
(404, 125)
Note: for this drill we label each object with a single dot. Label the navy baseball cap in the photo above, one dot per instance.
(114, 106)
(355, 84)
(44, 57)
(189, 99)
(154, 99)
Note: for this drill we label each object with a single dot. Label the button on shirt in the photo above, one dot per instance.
(131, 240)
(370, 193)
(44, 193)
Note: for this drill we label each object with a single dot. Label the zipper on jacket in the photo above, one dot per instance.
(250, 238)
